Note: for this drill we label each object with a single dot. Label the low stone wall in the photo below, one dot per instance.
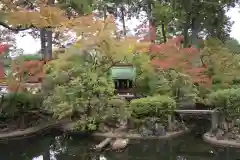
(225, 143)
(169, 135)
(64, 126)
(26, 133)
(32, 131)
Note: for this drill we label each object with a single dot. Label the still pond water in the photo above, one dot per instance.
(188, 147)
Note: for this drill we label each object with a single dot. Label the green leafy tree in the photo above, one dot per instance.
(163, 15)
(233, 45)
(144, 73)
(223, 65)
(78, 82)
(79, 91)
(227, 100)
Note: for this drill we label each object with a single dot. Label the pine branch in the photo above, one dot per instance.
(17, 29)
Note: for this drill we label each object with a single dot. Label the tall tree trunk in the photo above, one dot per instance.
(152, 26)
(163, 32)
(194, 37)
(104, 12)
(49, 45)
(195, 27)
(122, 9)
(218, 28)
(173, 3)
(185, 31)
(43, 42)
(187, 5)
(49, 38)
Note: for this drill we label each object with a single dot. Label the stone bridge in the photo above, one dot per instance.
(213, 114)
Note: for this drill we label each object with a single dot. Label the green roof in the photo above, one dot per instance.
(123, 72)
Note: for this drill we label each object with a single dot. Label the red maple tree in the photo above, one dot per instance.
(25, 72)
(171, 55)
(31, 71)
(3, 49)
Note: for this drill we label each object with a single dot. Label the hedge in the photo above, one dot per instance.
(152, 106)
(227, 100)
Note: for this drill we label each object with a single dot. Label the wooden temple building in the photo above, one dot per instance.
(124, 77)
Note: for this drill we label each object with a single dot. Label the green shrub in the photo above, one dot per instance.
(228, 100)
(89, 124)
(14, 103)
(118, 108)
(182, 87)
(154, 106)
(117, 102)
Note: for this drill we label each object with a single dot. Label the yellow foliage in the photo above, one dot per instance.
(94, 33)
(100, 35)
(44, 16)
(221, 61)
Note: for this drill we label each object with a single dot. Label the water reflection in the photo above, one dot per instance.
(188, 147)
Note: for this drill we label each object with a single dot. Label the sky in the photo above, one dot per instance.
(31, 45)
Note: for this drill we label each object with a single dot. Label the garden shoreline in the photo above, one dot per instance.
(31, 131)
(65, 127)
(169, 135)
(224, 143)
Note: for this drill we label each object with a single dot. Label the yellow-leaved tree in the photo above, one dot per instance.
(77, 81)
(42, 15)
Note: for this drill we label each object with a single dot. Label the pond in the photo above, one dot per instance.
(188, 147)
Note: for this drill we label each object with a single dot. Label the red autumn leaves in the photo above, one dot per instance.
(168, 55)
(26, 72)
(171, 55)
(3, 49)
(30, 71)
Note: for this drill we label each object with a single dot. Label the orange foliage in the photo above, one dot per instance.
(172, 55)
(2, 73)
(186, 60)
(26, 72)
(30, 71)
(15, 86)
(3, 49)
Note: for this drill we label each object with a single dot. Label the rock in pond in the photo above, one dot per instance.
(219, 134)
(119, 143)
(146, 132)
(238, 138)
(159, 130)
(150, 124)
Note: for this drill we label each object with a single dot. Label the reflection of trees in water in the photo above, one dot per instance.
(184, 148)
(24, 149)
(58, 147)
(181, 158)
(50, 148)
(69, 148)
(75, 148)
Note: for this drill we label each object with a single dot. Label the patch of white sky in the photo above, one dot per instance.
(30, 45)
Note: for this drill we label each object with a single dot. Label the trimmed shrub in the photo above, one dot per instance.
(152, 106)
(227, 100)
